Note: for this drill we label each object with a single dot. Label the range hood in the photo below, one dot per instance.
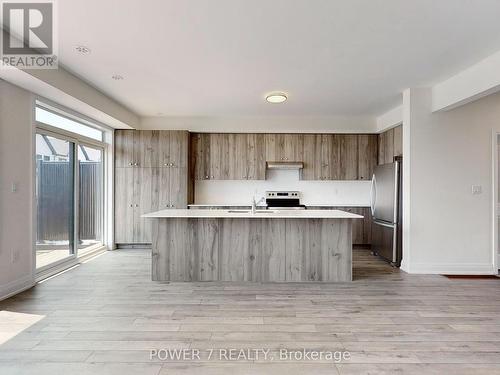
(285, 165)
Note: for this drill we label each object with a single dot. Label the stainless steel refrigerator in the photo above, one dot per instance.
(386, 207)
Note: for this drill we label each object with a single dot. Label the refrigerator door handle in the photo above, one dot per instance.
(373, 195)
(387, 225)
(396, 184)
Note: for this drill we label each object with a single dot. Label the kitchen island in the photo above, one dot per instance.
(264, 246)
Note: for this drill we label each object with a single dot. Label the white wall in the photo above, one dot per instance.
(16, 166)
(340, 193)
(498, 198)
(269, 124)
(475, 82)
(63, 88)
(390, 119)
(450, 229)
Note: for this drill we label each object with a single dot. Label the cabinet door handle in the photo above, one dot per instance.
(130, 163)
(131, 205)
(207, 177)
(137, 205)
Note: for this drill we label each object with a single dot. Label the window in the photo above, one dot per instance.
(91, 194)
(53, 119)
(55, 176)
(70, 189)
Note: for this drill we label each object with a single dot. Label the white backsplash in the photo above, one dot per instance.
(240, 192)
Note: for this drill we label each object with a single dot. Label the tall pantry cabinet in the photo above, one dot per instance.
(151, 174)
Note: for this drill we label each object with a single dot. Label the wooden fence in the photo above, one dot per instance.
(55, 201)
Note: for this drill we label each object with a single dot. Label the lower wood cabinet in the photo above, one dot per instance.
(125, 210)
(362, 228)
(136, 193)
(142, 190)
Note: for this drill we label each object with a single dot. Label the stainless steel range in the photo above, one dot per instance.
(284, 200)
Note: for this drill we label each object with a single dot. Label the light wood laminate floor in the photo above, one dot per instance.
(104, 317)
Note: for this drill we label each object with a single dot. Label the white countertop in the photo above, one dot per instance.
(260, 214)
(249, 205)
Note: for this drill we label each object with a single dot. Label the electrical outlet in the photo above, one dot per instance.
(477, 189)
(14, 187)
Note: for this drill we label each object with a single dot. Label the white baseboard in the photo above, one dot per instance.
(453, 269)
(16, 286)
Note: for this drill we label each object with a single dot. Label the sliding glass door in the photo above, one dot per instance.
(69, 188)
(55, 199)
(90, 198)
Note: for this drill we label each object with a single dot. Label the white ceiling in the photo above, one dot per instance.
(220, 57)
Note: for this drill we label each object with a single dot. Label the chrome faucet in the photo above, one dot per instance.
(255, 203)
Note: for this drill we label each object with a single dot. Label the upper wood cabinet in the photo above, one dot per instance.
(311, 170)
(398, 141)
(200, 156)
(251, 153)
(221, 156)
(150, 148)
(173, 146)
(390, 145)
(125, 148)
(284, 147)
(348, 156)
(367, 155)
(134, 148)
(228, 156)
(321, 157)
(332, 157)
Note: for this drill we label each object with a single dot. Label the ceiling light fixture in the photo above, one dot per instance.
(276, 98)
(117, 77)
(83, 50)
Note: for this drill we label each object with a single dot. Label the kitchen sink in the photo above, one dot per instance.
(248, 211)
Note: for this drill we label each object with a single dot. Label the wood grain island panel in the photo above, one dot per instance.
(252, 249)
